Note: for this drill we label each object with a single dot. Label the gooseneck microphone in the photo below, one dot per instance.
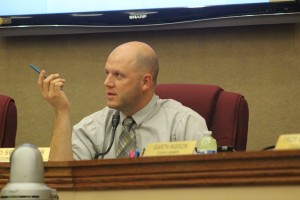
(115, 123)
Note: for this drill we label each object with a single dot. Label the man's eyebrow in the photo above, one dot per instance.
(113, 71)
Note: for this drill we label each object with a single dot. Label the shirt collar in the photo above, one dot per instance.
(141, 115)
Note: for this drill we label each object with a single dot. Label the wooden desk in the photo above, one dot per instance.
(278, 169)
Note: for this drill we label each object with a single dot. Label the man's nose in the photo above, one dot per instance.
(108, 82)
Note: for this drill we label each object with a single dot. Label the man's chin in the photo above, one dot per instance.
(113, 106)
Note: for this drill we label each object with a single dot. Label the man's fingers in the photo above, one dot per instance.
(48, 85)
(55, 86)
(48, 80)
(41, 80)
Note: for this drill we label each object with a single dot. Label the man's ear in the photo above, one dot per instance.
(147, 81)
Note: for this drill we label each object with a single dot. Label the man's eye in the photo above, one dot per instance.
(118, 75)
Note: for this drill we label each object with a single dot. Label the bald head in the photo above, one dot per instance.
(138, 55)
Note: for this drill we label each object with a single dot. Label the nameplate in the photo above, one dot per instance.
(170, 148)
(288, 141)
(5, 153)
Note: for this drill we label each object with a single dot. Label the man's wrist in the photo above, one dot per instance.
(62, 113)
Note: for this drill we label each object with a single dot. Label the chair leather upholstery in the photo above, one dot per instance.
(8, 121)
(226, 113)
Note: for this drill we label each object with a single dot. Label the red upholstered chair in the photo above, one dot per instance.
(226, 113)
(8, 121)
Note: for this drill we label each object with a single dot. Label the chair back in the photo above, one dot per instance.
(8, 121)
(226, 113)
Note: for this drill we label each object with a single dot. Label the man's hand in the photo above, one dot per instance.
(51, 90)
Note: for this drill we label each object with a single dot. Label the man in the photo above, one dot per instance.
(132, 70)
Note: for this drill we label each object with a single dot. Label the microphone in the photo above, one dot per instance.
(115, 123)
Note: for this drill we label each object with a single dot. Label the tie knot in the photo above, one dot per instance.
(128, 121)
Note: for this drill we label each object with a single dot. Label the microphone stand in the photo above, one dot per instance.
(115, 123)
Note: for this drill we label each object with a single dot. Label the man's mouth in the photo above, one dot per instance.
(110, 94)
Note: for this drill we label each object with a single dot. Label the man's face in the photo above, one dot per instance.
(123, 85)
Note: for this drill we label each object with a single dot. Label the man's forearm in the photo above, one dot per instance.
(61, 144)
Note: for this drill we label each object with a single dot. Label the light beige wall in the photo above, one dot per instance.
(260, 62)
(232, 193)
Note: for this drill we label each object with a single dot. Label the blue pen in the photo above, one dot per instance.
(39, 71)
(36, 69)
(137, 153)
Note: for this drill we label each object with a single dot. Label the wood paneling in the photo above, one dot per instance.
(222, 169)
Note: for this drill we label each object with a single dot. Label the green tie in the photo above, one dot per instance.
(127, 140)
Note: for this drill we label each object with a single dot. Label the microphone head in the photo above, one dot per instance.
(116, 119)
